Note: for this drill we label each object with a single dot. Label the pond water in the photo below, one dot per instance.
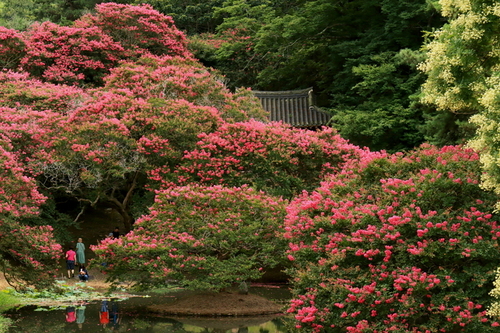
(132, 315)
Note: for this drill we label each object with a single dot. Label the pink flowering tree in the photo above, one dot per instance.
(82, 54)
(112, 144)
(175, 77)
(109, 148)
(139, 29)
(30, 133)
(406, 243)
(12, 46)
(273, 157)
(73, 55)
(200, 238)
(28, 255)
(22, 91)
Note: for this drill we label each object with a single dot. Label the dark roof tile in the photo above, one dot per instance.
(294, 107)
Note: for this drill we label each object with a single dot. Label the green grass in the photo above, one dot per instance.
(4, 324)
(7, 301)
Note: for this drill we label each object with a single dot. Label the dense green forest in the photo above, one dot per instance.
(360, 56)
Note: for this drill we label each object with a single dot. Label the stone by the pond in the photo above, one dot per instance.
(218, 304)
(226, 323)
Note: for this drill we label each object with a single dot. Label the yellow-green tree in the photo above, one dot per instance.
(463, 68)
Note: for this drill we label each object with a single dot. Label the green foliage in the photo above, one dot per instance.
(360, 56)
(5, 323)
(443, 128)
(191, 16)
(17, 14)
(60, 11)
(7, 300)
(387, 117)
(61, 293)
(59, 221)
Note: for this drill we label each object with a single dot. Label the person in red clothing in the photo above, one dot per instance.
(70, 262)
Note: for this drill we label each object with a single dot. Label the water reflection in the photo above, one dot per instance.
(80, 315)
(114, 316)
(104, 314)
(132, 316)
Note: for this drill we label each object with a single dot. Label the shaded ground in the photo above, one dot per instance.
(218, 304)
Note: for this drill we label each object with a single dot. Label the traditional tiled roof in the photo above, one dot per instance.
(294, 107)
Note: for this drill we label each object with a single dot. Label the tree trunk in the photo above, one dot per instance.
(122, 210)
(121, 207)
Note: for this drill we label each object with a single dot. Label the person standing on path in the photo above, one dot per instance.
(70, 262)
(80, 252)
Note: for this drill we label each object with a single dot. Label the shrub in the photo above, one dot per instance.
(405, 244)
(199, 237)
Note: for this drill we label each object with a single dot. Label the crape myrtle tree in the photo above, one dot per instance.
(84, 52)
(28, 255)
(16, 14)
(405, 243)
(147, 114)
(210, 226)
(144, 111)
(198, 237)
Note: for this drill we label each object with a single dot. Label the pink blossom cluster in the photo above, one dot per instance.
(173, 77)
(140, 29)
(19, 90)
(29, 250)
(18, 193)
(241, 153)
